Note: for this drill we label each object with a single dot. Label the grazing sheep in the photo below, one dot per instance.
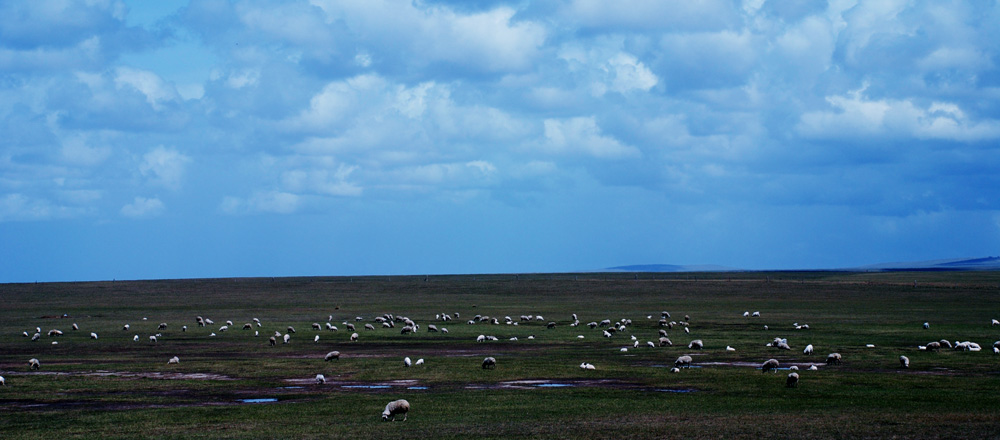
(184, 328)
(683, 361)
(550, 325)
(3, 382)
(419, 362)
(696, 344)
(728, 348)
(316, 339)
(650, 344)
(223, 328)
(369, 327)
(794, 368)
(444, 330)
(331, 356)
(769, 365)
(813, 368)
(36, 336)
(174, 360)
(316, 326)
(272, 341)
(834, 359)
(904, 362)
(945, 343)
(933, 346)
(480, 338)
(93, 335)
(407, 362)
(55, 332)
(163, 326)
(431, 328)
(755, 315)
(286, 338)
(320, 379)
(792, 381)
(995, 322)
(808, 350)
(135, 338)
(746, 314)
(927, 325)
(228, 322)
(489, 362)
(125, 327)
(75, 327)
(34, 364)
(664, 341)
(349, 326)
(587, 366)
(152, 339)
(675, 370)
(291, 329)
(354, 337)
(395, 408)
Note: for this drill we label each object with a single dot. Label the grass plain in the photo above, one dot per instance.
(113, 387)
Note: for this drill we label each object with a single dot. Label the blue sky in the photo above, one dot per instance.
(215, 138)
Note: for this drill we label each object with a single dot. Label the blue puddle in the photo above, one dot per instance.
(369, 387)
(291, 388)
(554, 385)
(682, 390)
(264, 400)
(416, 388)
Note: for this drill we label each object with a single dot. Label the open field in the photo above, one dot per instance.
(113, 387)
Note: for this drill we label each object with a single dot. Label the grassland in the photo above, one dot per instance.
(113, 387)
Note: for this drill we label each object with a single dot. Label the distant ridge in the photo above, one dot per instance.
(981, 263)
(985, 263)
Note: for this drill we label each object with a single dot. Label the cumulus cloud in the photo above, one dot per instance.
(143, 207)
(581, 135)
(856, 116)
(164, 166)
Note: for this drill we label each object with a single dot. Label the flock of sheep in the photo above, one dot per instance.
(607, 328)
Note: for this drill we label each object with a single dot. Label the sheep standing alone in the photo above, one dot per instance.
(696, 344)
(3, 382)
(320, 379)
(395, 408)
(272, 341)
(834, 359)
(808, 350)
(793, 380)
(34, 364)
(93, 335)
(407, 362)
(354, 337)
(174, 360)
(904, 362)
(489, 362)
(683, 361)
(769, 365)
(332, 355)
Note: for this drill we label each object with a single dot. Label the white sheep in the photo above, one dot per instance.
(683, 361)
(793, 380)
(34, 364)
(3, 382)
(93, 335)
(650, 344)
(675, 370)
(135, 338)
(407, 362)
(125, 327)
(395, 408)
(769, 365)
(272, 341)
(223, 328)
(316, 338)
(696, 344)
(834, 359)
(728, 348)
(36, 336)
(286, 338)
(489, 363)
(808, 350)
(755, 315)
(419, 362)
(332, 355)
(813, 368)
(480, 338)
(320, 379)
(369, 327)
(587, 366)
(354, 337)
(995, 322)
(75, 327)
(174, 360)
(152, 339)
(927, 325)
(904, 362)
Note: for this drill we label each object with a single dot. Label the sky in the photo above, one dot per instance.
(232, 138)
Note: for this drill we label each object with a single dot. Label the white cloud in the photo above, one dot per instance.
(581, 135)
(164, 166)
(330, 182)
(148, 83)
(142, 207)
(855, 116)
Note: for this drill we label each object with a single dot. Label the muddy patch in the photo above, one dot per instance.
(127, 374)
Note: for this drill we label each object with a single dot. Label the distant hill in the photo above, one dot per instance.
(984, 263)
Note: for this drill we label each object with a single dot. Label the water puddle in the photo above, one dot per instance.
(679, 390)
(260, 400)
(367, 387)
(416, 388)
(554, 385)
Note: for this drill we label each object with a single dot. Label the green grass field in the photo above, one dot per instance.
(113, 387)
